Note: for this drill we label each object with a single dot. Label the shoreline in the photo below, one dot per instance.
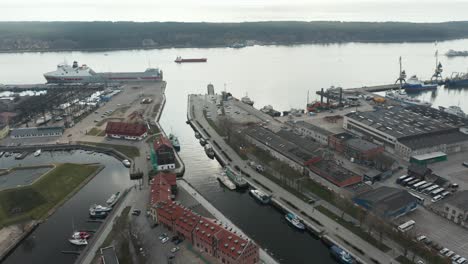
(321, 43)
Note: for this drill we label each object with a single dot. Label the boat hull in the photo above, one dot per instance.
(419, 87)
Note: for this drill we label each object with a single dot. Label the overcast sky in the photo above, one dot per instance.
(233, 10)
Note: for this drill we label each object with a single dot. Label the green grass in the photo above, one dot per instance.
(128, 151)
(96, 132)
(355, 229)
(35, 201)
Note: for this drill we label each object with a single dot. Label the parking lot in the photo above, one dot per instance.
(453, 170)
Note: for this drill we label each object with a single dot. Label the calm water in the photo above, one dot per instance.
(280, 76)
(45, 244)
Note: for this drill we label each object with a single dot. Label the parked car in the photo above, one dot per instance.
(164, 240)
(163, 235)
(456, 257)
(175, 249)
(136, 212)
(421, 238)
(443, 251)
(449, 254)
(465, 163)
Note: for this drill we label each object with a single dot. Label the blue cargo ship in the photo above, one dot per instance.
(413, 84)
(341, 255)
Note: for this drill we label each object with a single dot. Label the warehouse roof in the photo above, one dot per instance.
(36, 131)
(428, 140)
(361, 144)
(310, 127)
(126, 129)
(399, 122)
(439, 115)
(386, 199)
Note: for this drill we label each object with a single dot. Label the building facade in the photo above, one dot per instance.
(128, 131)
(311, 131)
(456, 208)
(163, 156)
(30, 132)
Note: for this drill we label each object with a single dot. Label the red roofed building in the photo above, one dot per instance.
(235, 249)
(164, 154)
(207, 235)
(130, 131)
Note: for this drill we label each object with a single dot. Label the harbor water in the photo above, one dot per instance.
(271, 75)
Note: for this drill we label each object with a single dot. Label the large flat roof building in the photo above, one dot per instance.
(407, 132)
(387, 202)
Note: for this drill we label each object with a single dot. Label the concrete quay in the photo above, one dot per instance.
(331, 230)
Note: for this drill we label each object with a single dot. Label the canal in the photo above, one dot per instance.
(45, 243)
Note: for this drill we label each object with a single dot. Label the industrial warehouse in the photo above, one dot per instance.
(406, 132)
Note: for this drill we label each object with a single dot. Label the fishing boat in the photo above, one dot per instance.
(202, 141)
(209, 151)
(294, 221)
(341, 255)
(260, 196)
(226, 181)
(174, 141)
(113, 199)
(99, 208)
(78, 242)
(21, 155)
(457, 79)
(37, 153)
(80, 235)
(247, 100)
(235, 177)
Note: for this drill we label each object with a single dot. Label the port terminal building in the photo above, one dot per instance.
(408, 132)
(456, 208)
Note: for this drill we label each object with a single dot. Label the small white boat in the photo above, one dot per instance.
(78, 242)
(1, 153)
(226, 181)
(37, 153)
(113, 199)
(126, 163)
(99, 208)
(260, 196)
(7, 154)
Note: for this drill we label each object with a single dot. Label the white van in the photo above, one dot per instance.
(437, 198)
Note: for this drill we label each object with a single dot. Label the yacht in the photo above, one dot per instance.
(78, 242)
(80, 235)
(341, 255)
(113, 199)
(100, 208)
(260, 196)
(226, 181)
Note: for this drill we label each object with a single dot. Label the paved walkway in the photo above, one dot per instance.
(333, 229)
(267, 259)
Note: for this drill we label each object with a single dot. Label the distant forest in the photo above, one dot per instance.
(53, 36)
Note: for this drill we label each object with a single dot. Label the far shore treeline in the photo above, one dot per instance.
(54, 36)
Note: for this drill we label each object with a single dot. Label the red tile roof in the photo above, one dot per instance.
(125, 129)
(161, 141)
(230, 244)
(206, 229)
(188, 220)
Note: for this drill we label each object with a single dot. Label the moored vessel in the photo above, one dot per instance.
(247, 100)
(235, 177)
(454, 110)
(2, 153)
(402, 97)
(203, 141)
(226, 181)
(179, 59)
(174, 141)
(294, 221)
(80, 235)
(413, 84)
(209, 151)
(126, 163)
(457, 79)
(113, 199)
(97, 215)
(37, 153)
(99, 208)
(260, 196)
(78, 242)
(456, 53)
(197, 135)
(341, 255)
